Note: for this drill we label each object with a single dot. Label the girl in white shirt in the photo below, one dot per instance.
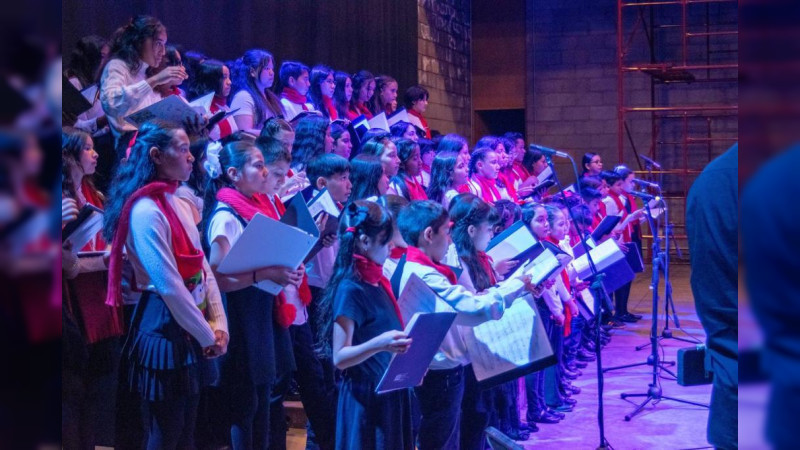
(179, 319)
(124, 85)
(254, 102)
(449, 171)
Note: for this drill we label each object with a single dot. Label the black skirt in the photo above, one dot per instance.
(163, 359)
(373, 421)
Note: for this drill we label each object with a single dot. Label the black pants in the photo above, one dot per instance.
(316, 385)
(170, 424)
(476, 412)
(249, 412)
(440, 399)
(621, 300)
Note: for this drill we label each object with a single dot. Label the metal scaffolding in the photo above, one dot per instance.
(677, 45)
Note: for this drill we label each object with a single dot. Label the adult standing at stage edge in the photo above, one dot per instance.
(712, 226)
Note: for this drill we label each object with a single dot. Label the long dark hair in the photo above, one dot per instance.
(442, 169)
(451, 143)
(198, 179)
(532, 156)
(367, 219)
(318, 75)
(207, 78)
(309, 140)
(365, 174)
(264, 101)
(85, 60)
(405, 150)
(235, 155)
(375, 104)
(399, 128)
(72, 142)
(359, 79)
(467, 209)
(339, 96)
(136, 172)
(127, 42)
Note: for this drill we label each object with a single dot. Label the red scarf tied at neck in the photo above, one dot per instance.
(415, 190)
(397, 252)
(247, 208)
(330, 107)
(294, 96)
(413, 254)
(489, 191)
(372, 273)
(188, 258)
(422, 120)
(363, 109)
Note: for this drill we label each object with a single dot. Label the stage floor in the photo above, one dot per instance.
(667, 425)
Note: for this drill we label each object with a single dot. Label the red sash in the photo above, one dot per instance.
(295, 97)
(422, 121)
(218, 104)
(415, 190)
(330, 107)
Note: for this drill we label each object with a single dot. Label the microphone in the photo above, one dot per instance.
(645, 196)
(646, 183)
(549, 151)
(651, 162)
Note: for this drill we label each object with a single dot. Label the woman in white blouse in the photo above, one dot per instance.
(124, 86)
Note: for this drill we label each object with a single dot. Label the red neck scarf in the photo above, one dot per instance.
(626, 233)
(247, 208)
(486, 263)
(219, 104)
(93, 198)
(489, 190)
(507, 176)
(425, 168)
(413, 254)
(372, 273)
(397, 252)
(363, 109)
(422, 120)
(415, 190)
(520, 172)
(293, 96)
(329, 106)
(188, 258)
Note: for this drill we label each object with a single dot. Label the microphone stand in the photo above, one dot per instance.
(599, 293)
(654, 392)
(666, 333)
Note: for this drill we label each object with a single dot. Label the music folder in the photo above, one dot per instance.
(172, 109)
(379, 121)
(72, 100)
(287, 246)
(605, 227)
(85, 227)
(401, 115)
(406, 370)
(516, 242)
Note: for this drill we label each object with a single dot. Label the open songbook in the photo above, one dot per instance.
(287, 246)
(175, 110)
(84, 228)
(516, 242)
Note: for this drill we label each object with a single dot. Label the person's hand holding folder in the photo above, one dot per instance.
(393, 341)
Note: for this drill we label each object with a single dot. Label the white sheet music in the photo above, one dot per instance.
(172, 109)
(417, 297)
(542, 177)
(86, 231)
(379, 121)
(513, 245)
(323, 202)
(543, 265)
(498, 346)
(603, 256)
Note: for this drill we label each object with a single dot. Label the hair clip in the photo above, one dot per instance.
(350, 230)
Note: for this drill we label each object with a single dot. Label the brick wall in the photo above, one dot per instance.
(572, 81)
(443, 66)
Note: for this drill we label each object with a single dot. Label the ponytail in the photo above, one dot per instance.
(359, 218)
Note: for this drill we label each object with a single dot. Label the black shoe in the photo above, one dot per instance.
(530, 427)
(581, 364)
(564, 408)
(586, 356)
(627, 318)
(544, 417)
(569, 375)
(569, 401)
(556, 414)
(636, 316)
(574, 389)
